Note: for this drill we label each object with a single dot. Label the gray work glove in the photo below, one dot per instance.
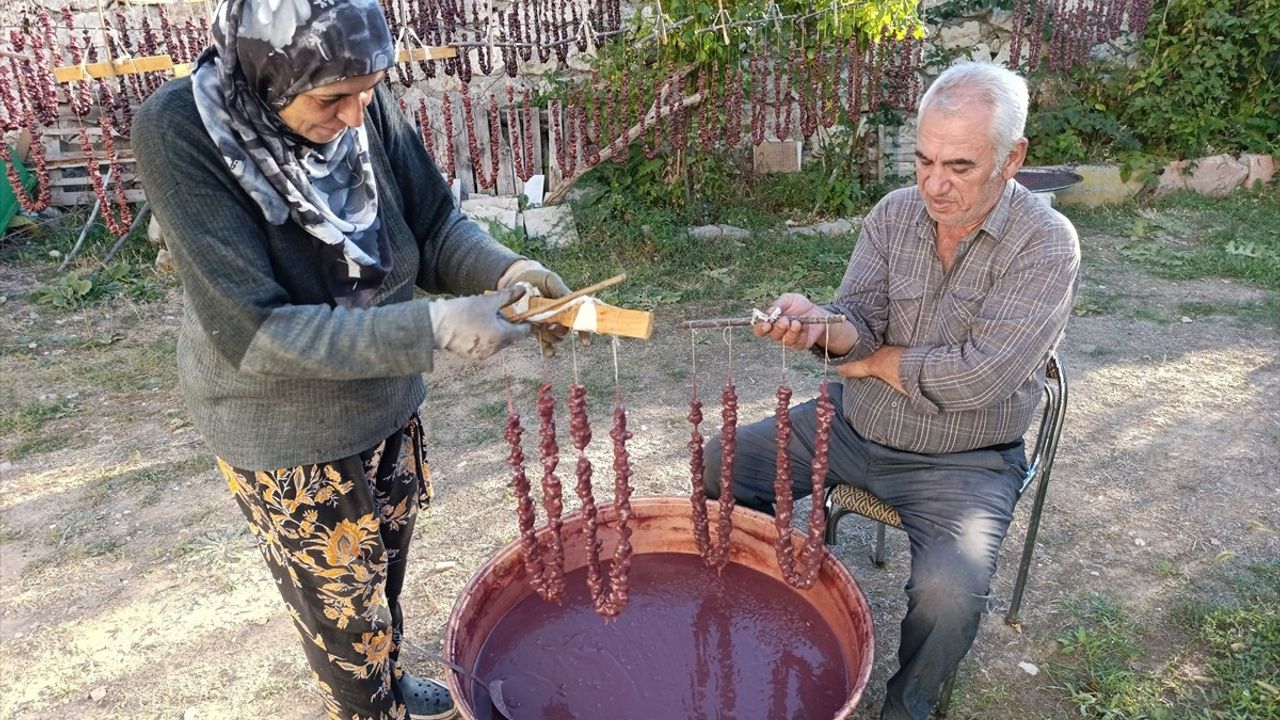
(473, 326)
(545, 284)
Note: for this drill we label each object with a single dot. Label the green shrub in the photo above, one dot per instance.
(1209, 78)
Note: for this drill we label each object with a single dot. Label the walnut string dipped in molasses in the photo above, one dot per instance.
(580, 429)
(718, 555)
(552, 499)
(810, 555)
(524, 505)
(616, 598)
(608, 598)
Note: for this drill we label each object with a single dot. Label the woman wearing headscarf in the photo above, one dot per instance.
(302, 211)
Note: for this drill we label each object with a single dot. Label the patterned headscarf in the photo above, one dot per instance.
(264, 54)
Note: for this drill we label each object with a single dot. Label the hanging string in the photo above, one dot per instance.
(800, 568)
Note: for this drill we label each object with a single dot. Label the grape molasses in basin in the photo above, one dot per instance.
(692, 643)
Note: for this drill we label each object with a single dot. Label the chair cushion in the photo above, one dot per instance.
(857, 500)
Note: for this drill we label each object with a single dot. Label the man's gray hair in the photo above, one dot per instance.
(1004, 91)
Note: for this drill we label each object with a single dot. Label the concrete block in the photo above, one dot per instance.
(553, 223)
(716, 232)
(777, 156)
(1172, 177)
(488, 211)
(1100, 185)
(1217, 175)
(1047, 197)
(1262, 168)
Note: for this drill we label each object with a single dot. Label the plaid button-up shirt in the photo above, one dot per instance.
(976, 337)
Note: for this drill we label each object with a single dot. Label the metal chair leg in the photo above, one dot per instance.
(833, 521)
(877, 557)
(1028, 550)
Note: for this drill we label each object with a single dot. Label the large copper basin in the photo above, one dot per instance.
(834, 611)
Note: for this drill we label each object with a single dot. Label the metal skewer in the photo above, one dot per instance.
(749, 321)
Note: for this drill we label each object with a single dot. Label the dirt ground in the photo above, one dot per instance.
(131, 589)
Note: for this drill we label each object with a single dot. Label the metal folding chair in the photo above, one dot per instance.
(844, 499)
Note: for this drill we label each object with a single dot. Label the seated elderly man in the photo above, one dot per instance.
(956, 293)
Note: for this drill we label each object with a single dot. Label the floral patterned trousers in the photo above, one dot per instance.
(336, 537)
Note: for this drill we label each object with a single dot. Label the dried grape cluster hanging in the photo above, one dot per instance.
(544, 560)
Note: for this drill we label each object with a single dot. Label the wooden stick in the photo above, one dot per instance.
(557, 302)
(748, 321)
(150, 63)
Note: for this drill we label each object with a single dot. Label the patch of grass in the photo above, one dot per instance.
(145, 481)
(1185, 235)
(1094, 301)
(35, 414)
(25, 422)
(222, 545)
(1152, 314)
(126, 367)
(1266, 311)
(39, 444)
(1225, 667)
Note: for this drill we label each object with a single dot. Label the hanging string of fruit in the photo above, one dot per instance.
(759, 99)
(450, 152)
(589, 128)
(173, 45)
(857, 58)
(39, 163)
(809, 556)
(608, 598)
(733, 107)
(809, 90)
(149, 46)
(116, 213)
(78, 93)
(678, 127)
(716, 555)
(10, 101)
(425, 129)
(484, 57)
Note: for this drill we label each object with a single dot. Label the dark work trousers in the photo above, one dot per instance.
(955, 507)
(336, 536)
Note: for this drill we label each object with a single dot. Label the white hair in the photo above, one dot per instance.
(1004, 91)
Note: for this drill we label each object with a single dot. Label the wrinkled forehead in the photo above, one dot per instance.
(287, 47)
(951, 132)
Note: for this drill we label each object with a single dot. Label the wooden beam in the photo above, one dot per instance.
(160, 63)
(426, 53)
(129, 66)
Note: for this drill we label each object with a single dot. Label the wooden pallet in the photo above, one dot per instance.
(69, 181)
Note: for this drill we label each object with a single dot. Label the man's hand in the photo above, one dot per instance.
(789, 333)
(882, 364)
(473, 326)
(545, 284)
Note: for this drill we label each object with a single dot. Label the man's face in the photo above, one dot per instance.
(957, 170)
(322, 113)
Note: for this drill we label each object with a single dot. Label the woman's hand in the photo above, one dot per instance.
(473, 326)
(545, 283)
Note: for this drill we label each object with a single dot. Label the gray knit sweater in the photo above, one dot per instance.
(274, 374)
